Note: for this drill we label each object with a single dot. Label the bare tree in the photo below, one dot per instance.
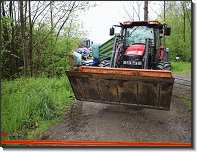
(138, 9)
(132, 19)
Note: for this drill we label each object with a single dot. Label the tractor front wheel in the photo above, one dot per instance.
(164, 66)
(105, 63)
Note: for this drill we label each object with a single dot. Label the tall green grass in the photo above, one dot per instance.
(29, 102)
(181, 67)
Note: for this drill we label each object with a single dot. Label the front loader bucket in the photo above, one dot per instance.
(138, 87)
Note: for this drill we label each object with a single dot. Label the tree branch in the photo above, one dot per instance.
(65, 21)
(127, 13)
(40, 13)
(50, 30)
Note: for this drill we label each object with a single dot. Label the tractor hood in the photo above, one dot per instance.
(136, 49)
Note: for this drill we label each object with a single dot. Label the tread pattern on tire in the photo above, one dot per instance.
(164, 66)
(105, 63)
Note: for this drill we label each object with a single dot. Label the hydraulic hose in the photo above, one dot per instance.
(182, 83)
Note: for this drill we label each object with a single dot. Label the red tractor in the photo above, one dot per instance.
(138, 46)
(137, 73)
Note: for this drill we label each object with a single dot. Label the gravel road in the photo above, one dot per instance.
(88, 121)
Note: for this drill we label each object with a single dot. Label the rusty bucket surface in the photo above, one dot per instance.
(138, 87)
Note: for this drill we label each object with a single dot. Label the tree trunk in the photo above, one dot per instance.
(6, 40)
(23, 37)
(25, 14)
(12, 45)
(183, 20)
(25, 40)
(51, 15)
(146, 11)
(30, 41)
(5, 35)
(51, 8)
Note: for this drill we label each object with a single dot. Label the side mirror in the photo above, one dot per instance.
(167, 30)
(111, 32)
(91, 42)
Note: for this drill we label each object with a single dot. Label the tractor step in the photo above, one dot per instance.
(135, 87)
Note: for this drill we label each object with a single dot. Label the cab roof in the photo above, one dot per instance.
(151, 23)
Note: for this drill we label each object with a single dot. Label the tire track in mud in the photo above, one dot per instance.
(88, 121)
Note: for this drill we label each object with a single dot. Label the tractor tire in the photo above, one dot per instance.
(164, 66)
(167, 66)
(160, 66)
(105, 63)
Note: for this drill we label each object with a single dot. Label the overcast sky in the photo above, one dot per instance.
(99, 20)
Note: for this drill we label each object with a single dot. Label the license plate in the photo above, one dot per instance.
(128, 63)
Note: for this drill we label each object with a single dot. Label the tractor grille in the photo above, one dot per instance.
(133, 62)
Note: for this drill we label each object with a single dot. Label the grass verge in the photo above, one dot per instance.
(181, 67)
(31, 105)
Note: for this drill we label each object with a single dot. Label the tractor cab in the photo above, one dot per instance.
(142, 46)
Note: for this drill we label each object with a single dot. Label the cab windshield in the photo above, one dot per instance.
(85, 43)
(138, 34)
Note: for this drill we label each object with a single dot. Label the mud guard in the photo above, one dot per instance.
(137, 87)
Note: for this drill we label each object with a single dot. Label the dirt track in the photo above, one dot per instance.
(89, 121)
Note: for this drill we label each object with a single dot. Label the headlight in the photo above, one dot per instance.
(134, 62)
(139, 62)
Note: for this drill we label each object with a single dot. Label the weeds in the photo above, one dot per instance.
(187, 100)
(27, 103)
